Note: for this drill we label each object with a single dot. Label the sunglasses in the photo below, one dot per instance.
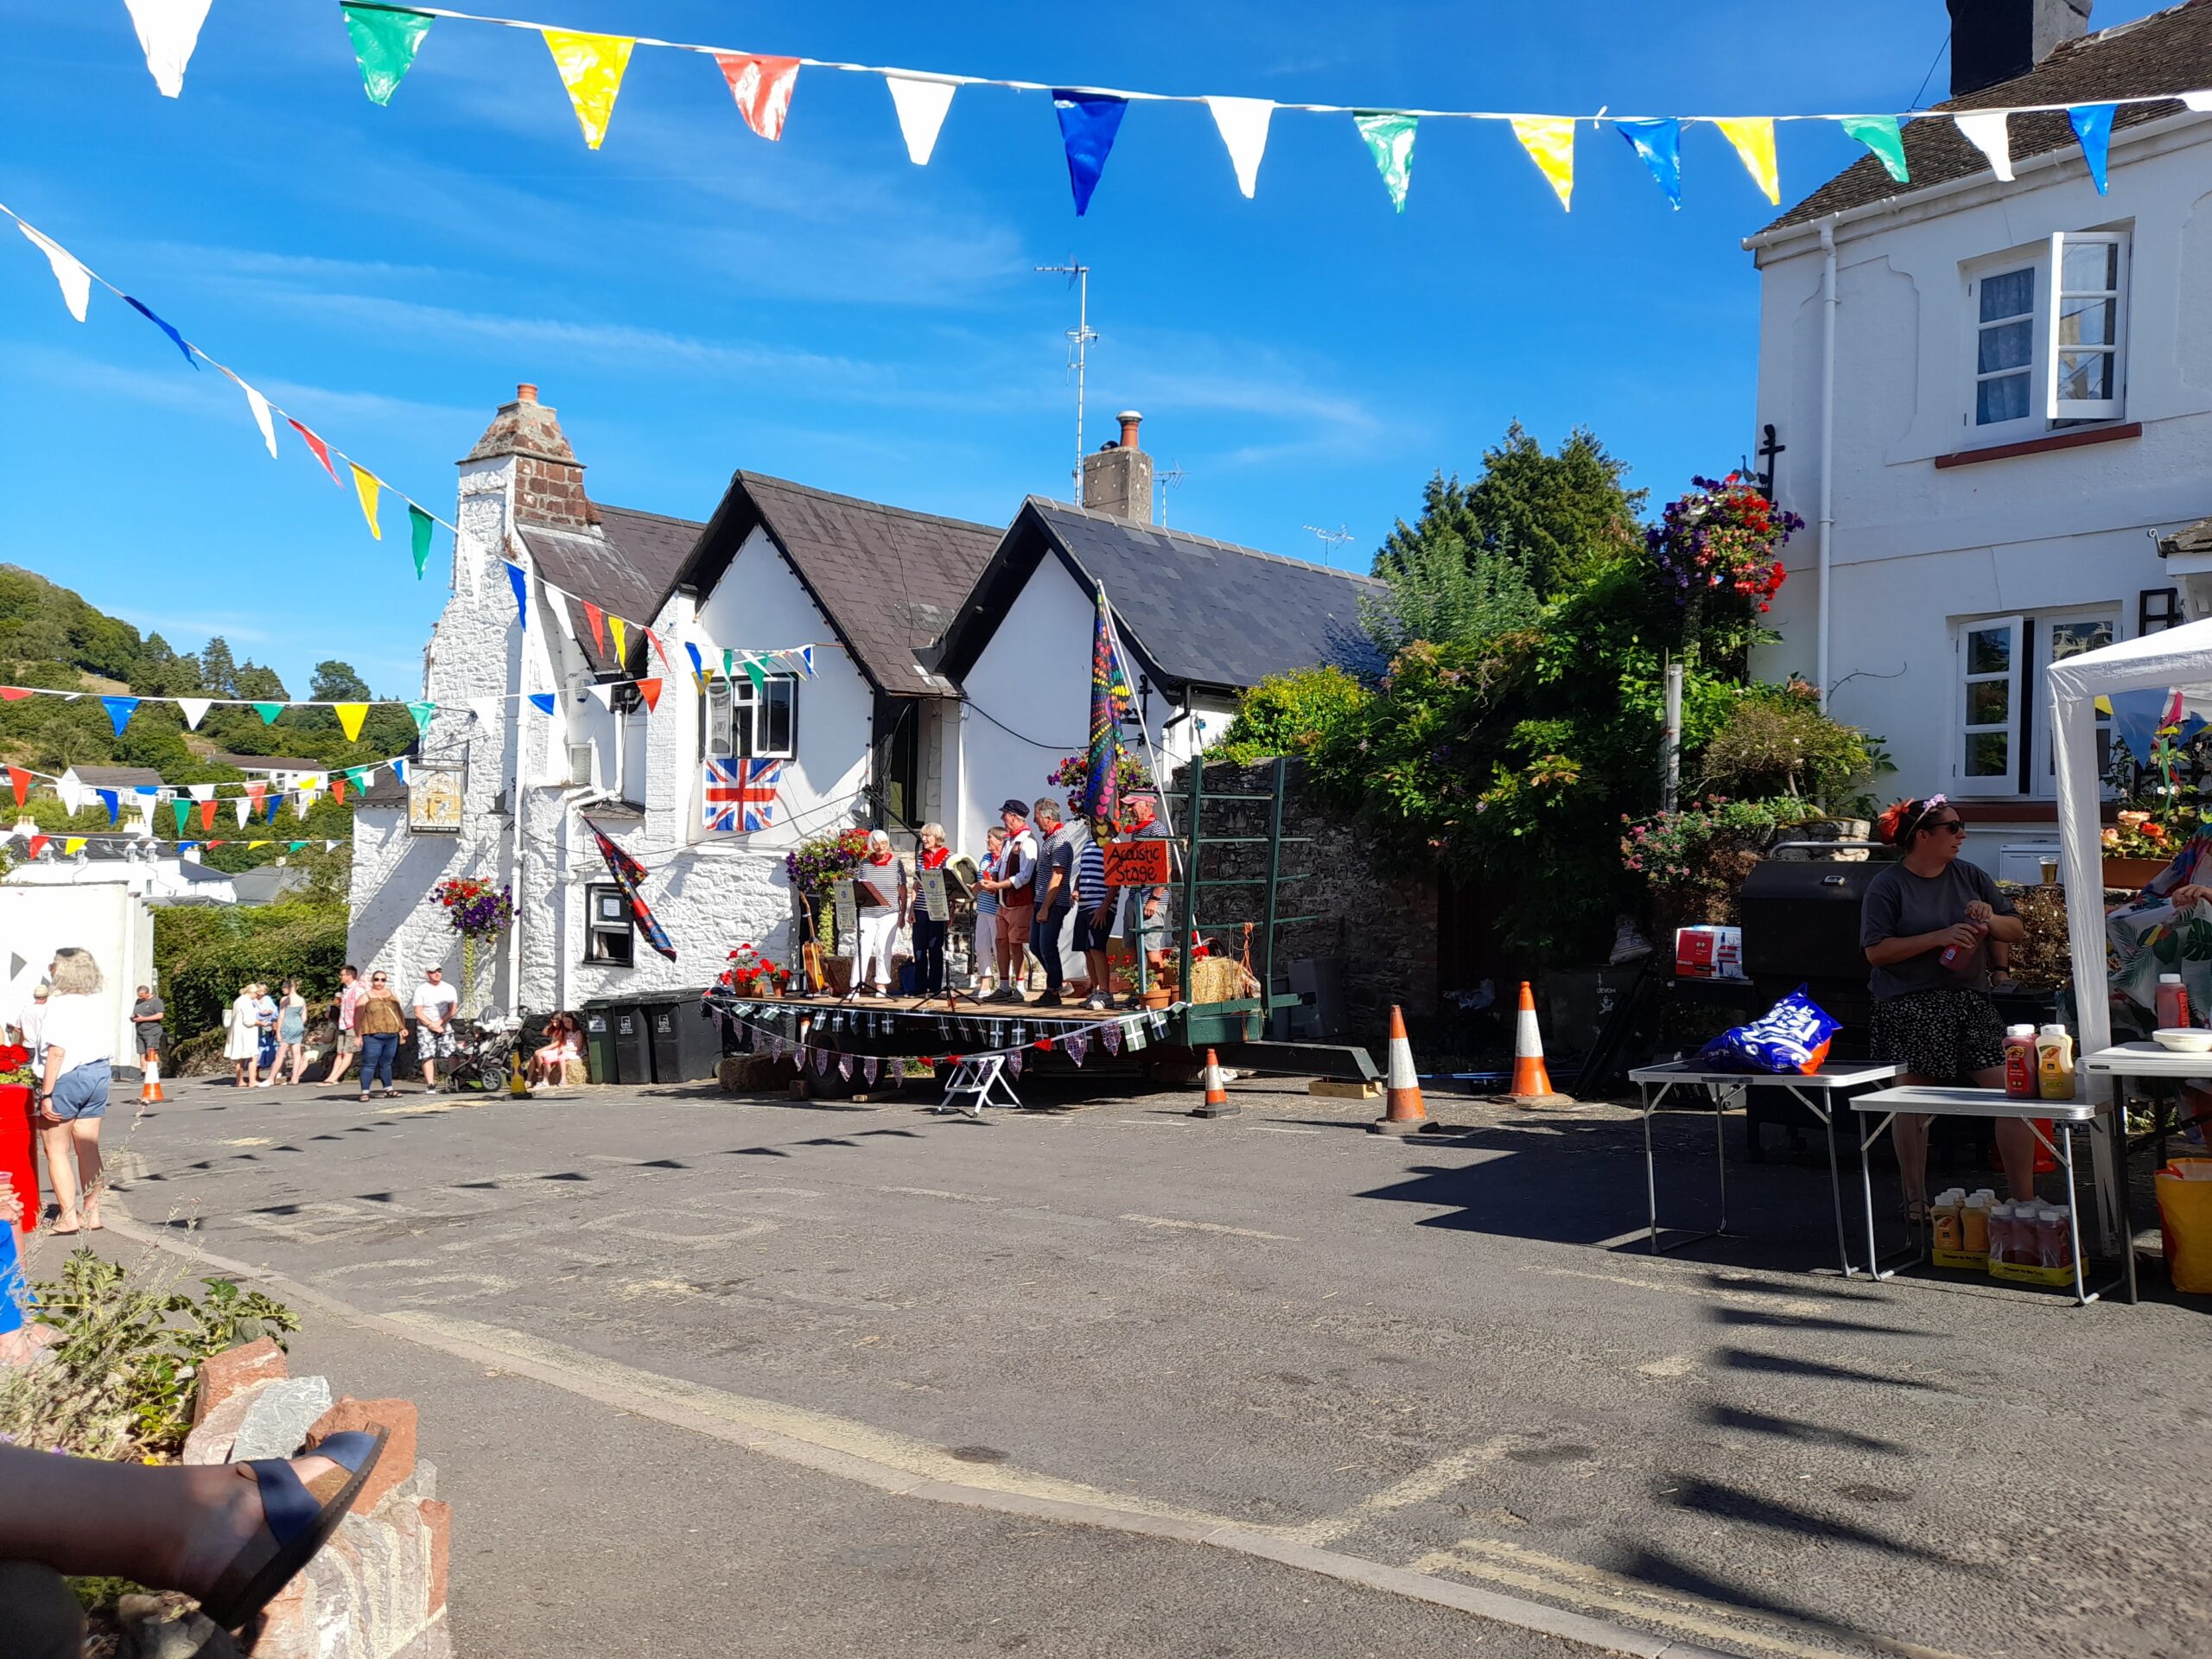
(1956, 826)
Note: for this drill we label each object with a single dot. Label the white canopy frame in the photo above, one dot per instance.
(2178, 659)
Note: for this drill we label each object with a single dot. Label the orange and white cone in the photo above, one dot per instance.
(1216, 1101)
(1532, 1082)
(1403, 1112)
(149, 1088)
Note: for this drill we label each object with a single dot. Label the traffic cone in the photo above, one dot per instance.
(149, 1089)
(1532, 1083)
(1403, 1112)
(1216, 1101)
(517, 1084)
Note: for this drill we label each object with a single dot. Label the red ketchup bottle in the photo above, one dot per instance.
(1960, 957)
(2020, 1079)
(2172, 1002)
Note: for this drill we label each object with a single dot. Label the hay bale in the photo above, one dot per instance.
(754, 1074)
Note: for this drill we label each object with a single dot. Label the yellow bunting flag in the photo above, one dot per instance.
(350, 715)
(1550, 140)
(365, 487)
(75, 844)
(620, 631)
(1753, 137)
(591, 67)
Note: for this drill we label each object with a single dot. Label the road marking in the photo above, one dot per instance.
(1211, 1226)
(935, 1193)
(1277, 1128)
(660, 1287)
(250, 1140)
(753, 1227)
(1595, 1590)
(1673, 1365)
(1425, 1484)
(1800, 1307)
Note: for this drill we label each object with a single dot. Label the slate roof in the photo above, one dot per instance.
(268, 763)
(266, 883)
(1197, 611)
(2193, 538)
(889, 579)
(628, 571)
(2168, 52)
(116, 776)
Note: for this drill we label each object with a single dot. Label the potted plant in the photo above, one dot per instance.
(752, 976)
(2159, 811)
(1131, 777)
(479, 912)
(814, 870)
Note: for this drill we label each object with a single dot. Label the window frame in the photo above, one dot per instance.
(2031, 422)
(2041, 630)
(2029, 773)
(745, 705)
(1966, 728)
(2047, 411)
(599, 951)
(2058, 408)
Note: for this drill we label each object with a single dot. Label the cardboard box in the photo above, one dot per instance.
(1709, 953)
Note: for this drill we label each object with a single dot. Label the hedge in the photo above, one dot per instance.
(206, 956)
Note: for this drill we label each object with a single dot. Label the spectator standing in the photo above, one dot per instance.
(291, 1032)
(1094, 919)
(33, 1022)
(382, 1022)
(1017, 900)
(350, 993)
(435, 1002)
(1055, 889)
(929, 935)
(146, 1026)
(72, 1093)
(879, 891)
(264, 1026)
(242, 1039)
(987, 907)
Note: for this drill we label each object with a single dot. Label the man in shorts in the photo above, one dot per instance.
(146, 1023)
(435, 1002)
(1017, 906)
(350, 993)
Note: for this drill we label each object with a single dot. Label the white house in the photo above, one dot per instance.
(104, 917)
(154, 871)
(1995, 401)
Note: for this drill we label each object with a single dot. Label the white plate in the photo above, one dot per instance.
(2184, 1039)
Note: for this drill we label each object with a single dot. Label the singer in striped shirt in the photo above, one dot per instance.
(1094, 918)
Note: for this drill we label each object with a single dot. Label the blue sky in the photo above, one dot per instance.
(694, 300)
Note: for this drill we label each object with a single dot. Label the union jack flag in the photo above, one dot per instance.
(740, 794)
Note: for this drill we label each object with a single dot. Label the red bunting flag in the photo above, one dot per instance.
(597, 617)
(657, 650)
(338, 787)
(13, 693)
(38, 845)
(762, 87)
(207, 818)
(649, 691)
(19, 781)
(256, 792)
(321, 449)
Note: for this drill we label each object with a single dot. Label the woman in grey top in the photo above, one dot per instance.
(1938, 1021)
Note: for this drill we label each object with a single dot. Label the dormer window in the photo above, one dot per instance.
(2048, 336)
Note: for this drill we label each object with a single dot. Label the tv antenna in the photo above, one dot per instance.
(1079, 338)
(1330, 540)
(1168, 479)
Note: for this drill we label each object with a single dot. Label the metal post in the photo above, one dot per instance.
(1189, 920)
(1274, 871)
(1673, 739)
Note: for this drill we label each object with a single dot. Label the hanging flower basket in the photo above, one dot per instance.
(1720, 544)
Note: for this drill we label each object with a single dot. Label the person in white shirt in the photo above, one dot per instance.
(79, 1031)
(879, 894)
(435, 1002)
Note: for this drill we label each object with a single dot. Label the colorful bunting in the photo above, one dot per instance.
(659, 649)
(350, 716)
(119, 710)
(649, 691)
(1753, 139)
(920, 102)
(422, 711)
(1882, 134)
(1243, 123)
(1550, 140)
(385, 44)
(543, 702)
(518, 579)
(1087, 124)
(168, 32)
(596, 619)
(19, 782)
(182, 811)
(268, 711)
(762, 87)
(38, 845)
(317, 447)
(620, 631)
(71, 847)
(591, 67)
(76, 282)
(630, 875)
(418, 530)
(206, 816)
(366, 486)
(177, 339)
(1389, 140)
(258, 406)
(1659, 143)
(1987, 132)
(2092, 124)
(112, 801)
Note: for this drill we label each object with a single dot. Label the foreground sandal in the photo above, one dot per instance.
(297, 1519)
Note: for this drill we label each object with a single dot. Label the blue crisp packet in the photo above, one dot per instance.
(1791, 1036)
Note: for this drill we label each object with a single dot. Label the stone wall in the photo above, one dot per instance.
(1383, 933)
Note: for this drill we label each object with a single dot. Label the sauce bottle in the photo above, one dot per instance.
(2055, 1063)
(2000, 1233)
(2020, 1079)
(1947, 1213)
(1975, 1221)
(2171, 1002)
(1960, 957)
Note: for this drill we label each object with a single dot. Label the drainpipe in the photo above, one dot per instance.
(1829, 300)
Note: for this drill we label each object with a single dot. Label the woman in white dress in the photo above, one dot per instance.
(241, 1042)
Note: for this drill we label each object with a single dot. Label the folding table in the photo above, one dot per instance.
(1814, 1090)
(2146, 1060)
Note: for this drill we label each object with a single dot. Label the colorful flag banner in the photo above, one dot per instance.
(385, 44)
(119, 710)
(181, 810)
(1550, 140)
(257, 406)
(1659, 143)
(245, 811)
(349, 717)
(418, 530)
(763, 89)
(268, 711)
(1389, 138)
(76, 282)
(1753, 139)
(597, 620)
(649, 690)
(620, 631)
(1988, 132)
(1882, 134)
(518, 579)
(2092, 124)
(1087, 124)
(422, 712)
(206, 816)
(367, 488)
(1243, 123)
(630, 875)
(176, 339)
(920, 102)
(317, 447)
(602, 693)
(19, 782)
(112, 802)
(1102, 796)
(168, 32)
(543, 702)
(591, 68)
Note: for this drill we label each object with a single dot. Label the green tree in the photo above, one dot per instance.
(1443, 591)
(257, 685)
(1293, 713)
(336, 682)
(217, 671)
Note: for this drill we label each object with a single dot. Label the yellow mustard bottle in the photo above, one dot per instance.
(2055, 1063)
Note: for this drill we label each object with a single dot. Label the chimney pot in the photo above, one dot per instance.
(1117, 479)
(525, 393)
(1996, 40)
(1129, 418)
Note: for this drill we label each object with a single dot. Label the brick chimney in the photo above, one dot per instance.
(1118, 479)
(1997, 40)
(549, 480)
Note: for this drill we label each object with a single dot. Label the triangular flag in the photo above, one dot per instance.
(1753, 138)
(419, 524)
(256, 793)
(519, 580)
(422, 711)
(1389, 138)
(649, 691)
(111, 800)
(698, 664)
(1087, 124)
(38, 846)
(2200, 102)
(368, 487)
(729, 664)
(1243, 125)
(659, 651)
(119, 709)
(1881, 134)
(338, 790)
(597, 619)
(921, 103)
(350, 716)
(1078, 1046)
(542, 700)
(487, 711)
(176, 339)
(321, 449)
(385, 44)
(259, 405)
(755, 673)
(602, 693)
(399, 771)
(182, 812)
(167, 30)
(762, 87)
(76, 282)
(245, 810)
(72, 846)
(253, 845)
(2093, 126)
(268, 711)
(1987, 132)
(1550, 140)
(295, 846)
(806, 659)
(201, 792)
(206, 816)
(1660, 143)
(19, 782)
(14, 693)
(591, 67)
(620, 631)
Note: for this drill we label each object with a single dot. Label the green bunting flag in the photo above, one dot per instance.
(422, 711)
(419, 522)
(755, 673)
(183, 811)
(1880, 133)
(268, 711)
(1390, 140)
(384, 41)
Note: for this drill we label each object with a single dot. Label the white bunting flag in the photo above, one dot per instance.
(307, 798)
(1243, 123)
(167, 30)
(1987, 133)
(244, 806)
(195, 710)
(259, 405)
(76, 282)
(329, 846)
(921, 103)
(201, 792)
(72, 793)
(602, 693)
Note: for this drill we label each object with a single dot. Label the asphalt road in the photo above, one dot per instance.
(1445, 1356)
